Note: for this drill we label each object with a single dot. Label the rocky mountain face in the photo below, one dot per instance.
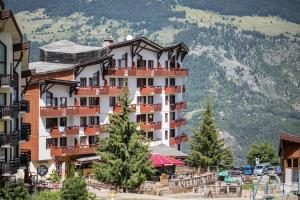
(246, 61)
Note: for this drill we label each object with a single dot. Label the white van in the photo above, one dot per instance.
(261, 169)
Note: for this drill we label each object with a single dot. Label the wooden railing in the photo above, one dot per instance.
(73, 150)
(69, 110)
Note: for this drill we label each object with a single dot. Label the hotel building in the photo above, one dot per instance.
(73, 88)
(14, 54)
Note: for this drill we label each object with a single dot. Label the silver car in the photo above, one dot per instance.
(261, 169)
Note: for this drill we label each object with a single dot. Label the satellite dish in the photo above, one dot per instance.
(129, 37)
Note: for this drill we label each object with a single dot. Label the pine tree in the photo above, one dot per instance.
(124, 156)
(207, 149)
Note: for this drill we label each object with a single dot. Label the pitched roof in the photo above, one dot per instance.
(289, 138)
(65, 46)
(45, 67)
(166, 150)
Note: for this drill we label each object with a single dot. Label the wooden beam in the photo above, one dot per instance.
(44, 87)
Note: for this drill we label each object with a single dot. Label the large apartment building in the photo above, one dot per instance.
(73, 88)
(14, 54)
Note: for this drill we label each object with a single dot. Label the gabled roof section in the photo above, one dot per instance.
(289, 138)
(11, 25)
(65, 46)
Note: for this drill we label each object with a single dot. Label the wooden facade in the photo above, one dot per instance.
(289, 152)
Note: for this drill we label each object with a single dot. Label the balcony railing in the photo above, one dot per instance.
(9, 111)
(69, 131)
(118, 109)
(147, 90)
(9, 138)
(179, 139)
(8, 80)
(150, 126)
(9, 168)
(72, 150)
(178, 123)
(101, 90)
(94, 129)
(143, 71)
(69, 110)
(147, 108)
(25, 158)
(24, 106)
(178, 106)
(25, 131)
(172, 89)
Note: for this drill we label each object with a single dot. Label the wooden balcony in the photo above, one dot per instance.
(118, 109)
(8, 138)
(148, 108)
(72, 150)
(9, 111)
(141, 72)
(150, 126)
(69, 110)
(116, 71)
(9, 168)
(178, 123)
(173, 89)
(69, 131)
(95, 91)
(171, 72)
(148, 90)
(94, 129)
(8, 80)
(24, 106)
(178, 106)
(179, 139)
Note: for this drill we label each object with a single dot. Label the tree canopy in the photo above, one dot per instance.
(207, 149)
(124, 155)
(264, 151)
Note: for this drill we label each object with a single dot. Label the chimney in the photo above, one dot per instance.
(107, 42)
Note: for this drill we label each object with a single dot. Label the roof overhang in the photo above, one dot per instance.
(9, 24)
(56, 82)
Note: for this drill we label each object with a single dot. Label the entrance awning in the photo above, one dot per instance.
(87, 159)
(159, 160)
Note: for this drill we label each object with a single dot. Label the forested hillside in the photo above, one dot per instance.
(245, 55)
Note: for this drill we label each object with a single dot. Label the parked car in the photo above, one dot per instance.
(261, 169)
(248, 170)
(235, 173)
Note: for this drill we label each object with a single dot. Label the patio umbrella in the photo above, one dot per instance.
(159, 160)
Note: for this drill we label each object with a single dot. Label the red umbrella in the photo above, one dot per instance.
(159, 160)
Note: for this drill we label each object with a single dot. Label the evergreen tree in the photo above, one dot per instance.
(227, 159)
(11, 191)
(264, 151)
(124, 155)
(207, 149)
(75, 189)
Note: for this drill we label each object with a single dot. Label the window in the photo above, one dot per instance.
(172, 81)
(166, 82)
(150, 81)
(166, 100)
(49, 97)
(166, 64)
(295, 163)
(172, 99)
(141, 100)
(82, 82)
(2, 58)
(172, 115)
(166, 134)
(122, 82)
(51, 142)
(2, 99)
(83, 101)
(63, 101)
(123, 61)
(94, 101)
(94, 120)
(113, 63)
(141, 82)
(63, 141)
(150, 135)
(51, 122)
(166, 117)
(83, 121)
(172, 133)
(150, 99)
(150, 117)
(150, 64)
(112, 82)
(112, 101)
(141, 118)
(289, 163)
(93, 139)
(63, 121)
